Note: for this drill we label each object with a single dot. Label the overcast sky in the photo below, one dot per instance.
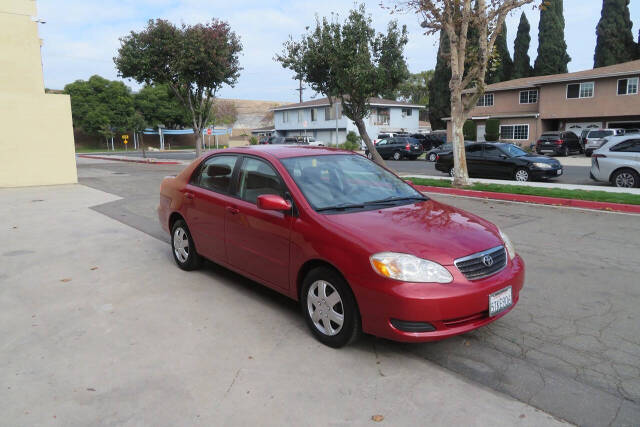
(81, 36)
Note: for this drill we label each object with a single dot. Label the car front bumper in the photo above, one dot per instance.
(453, 308)
(546, 173)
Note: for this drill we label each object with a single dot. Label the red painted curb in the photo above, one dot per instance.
(541, 200)
(145, 161)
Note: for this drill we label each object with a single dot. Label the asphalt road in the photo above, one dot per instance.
(572, 174)
(572, 345)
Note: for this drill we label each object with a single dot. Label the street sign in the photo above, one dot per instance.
(208, 131)
(125, 138)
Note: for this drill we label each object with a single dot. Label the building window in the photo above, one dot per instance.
(486, 100)
(330, 112)
(314, 114)
(628, 86)
(406, 112)
(514, 132)
(381, 117)
(285, 116)
(580, 90)
(529, 96)
(300, 116)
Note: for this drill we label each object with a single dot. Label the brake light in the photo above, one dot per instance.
(559, 141)
(437, 157)
(407, 147)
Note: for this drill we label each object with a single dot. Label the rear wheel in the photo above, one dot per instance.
(626, 178)
(184, 250)
(452, 172)
(521, 174)
(397, 155)
(565, 151)
(432, 157)
(329, 308)
(588, 153)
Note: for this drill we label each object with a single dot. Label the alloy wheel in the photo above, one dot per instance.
(522, 175)
(625, 180)
(325, 307)
(432, 157)
(452, 172)
(396, 156)
(181, 244)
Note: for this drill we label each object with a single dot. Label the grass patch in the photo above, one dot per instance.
(596, 196)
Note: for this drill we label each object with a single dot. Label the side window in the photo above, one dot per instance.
(215, 173)
(257, 177)
(382, 142)
(491, 151)
(628, 146)
(474, 150)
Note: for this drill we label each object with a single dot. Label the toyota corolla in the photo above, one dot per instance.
(358, 247)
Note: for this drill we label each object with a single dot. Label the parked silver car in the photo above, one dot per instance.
(618, 161)
(596, 138)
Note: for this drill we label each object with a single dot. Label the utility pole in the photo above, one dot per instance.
(300, 88)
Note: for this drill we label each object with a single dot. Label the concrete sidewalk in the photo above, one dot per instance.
(100, 327)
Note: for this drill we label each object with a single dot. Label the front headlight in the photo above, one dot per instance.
(511, 250)
(542, 165)
(409, 268)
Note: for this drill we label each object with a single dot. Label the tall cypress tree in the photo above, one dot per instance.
(614, 38)
(521, 61)
(552, 48)
(439, 92)
(500, 67)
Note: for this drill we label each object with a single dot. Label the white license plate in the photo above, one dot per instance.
(500, 301)
(546, 151)
(559, 171)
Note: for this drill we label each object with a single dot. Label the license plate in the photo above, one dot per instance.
(546, 151)
(547, 143)
(500, 301)
(559, 171)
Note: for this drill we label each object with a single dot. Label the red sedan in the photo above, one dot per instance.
(361, 249)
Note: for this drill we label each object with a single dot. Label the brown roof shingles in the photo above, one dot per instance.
(325, 101)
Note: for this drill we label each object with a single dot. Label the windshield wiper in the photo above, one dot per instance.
(340, 207)
(396, 199)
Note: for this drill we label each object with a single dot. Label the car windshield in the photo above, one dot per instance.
(347, 181)
(513, 151)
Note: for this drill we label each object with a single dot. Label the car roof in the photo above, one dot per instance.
(283, 151)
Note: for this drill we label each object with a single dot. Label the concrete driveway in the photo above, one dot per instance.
(99, 327)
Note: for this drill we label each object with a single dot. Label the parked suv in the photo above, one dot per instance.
(596, 138)
(398, 148)
(618, 161)
(558, 142)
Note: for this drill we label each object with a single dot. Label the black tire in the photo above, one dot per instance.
(625, 178)
(351, 328)
(432, 157)
(452, 172)
(193, 260)
(565, 151)
(522, 175)
(397, 156)
(588, 153)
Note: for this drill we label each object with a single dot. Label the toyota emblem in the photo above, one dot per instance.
(487, 260)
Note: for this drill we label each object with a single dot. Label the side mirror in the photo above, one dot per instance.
(503, 156)
(273, 202)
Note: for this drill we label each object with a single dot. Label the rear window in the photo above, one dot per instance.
(549, 136)
(383, 136)
(600, 133)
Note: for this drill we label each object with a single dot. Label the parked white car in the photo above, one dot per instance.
(310, 141)
(596, 138)
(618, 161)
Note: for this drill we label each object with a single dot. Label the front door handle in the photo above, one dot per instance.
(233, 210)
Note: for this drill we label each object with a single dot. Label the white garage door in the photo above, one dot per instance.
(578, 127)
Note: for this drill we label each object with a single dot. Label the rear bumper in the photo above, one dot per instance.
(452, 309)
(549, 149)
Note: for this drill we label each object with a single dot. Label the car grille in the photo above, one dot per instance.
(482, 264)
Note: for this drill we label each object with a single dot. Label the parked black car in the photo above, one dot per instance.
(433, 153)
(500, 160)
(431, 140)
(558, 142)
(398, 148)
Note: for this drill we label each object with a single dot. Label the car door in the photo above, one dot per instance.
(496, 164)
(258, 240)
(206, 200)
(382, 147)
(573, 142)
(474, 159)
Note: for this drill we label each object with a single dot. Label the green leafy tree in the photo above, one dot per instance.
(101, 107)
(552, 48)
(416, 88)
(439, 93)
(194, 61)
(469, 130)
(500, 68)
(492, 130)
(521, 61)
(614, 38)
(159, 106)
(351, 63)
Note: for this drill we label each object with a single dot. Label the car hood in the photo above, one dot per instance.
(540, 159)
(429, 230)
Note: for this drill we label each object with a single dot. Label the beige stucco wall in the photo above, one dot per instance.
(36, 134)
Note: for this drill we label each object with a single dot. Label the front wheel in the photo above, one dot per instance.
(565, 151)
(432, 157)
(184, 250)
(522, 175)
(397, 155)
(329, 308)
(626, 178)
(452, 172)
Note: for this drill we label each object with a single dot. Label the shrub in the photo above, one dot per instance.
(353, 137)
(469, 130)
(253, 140)
(350, 145)
(492, 130)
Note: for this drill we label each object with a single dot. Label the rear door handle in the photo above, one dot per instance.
(233, 210)
(188, 196)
